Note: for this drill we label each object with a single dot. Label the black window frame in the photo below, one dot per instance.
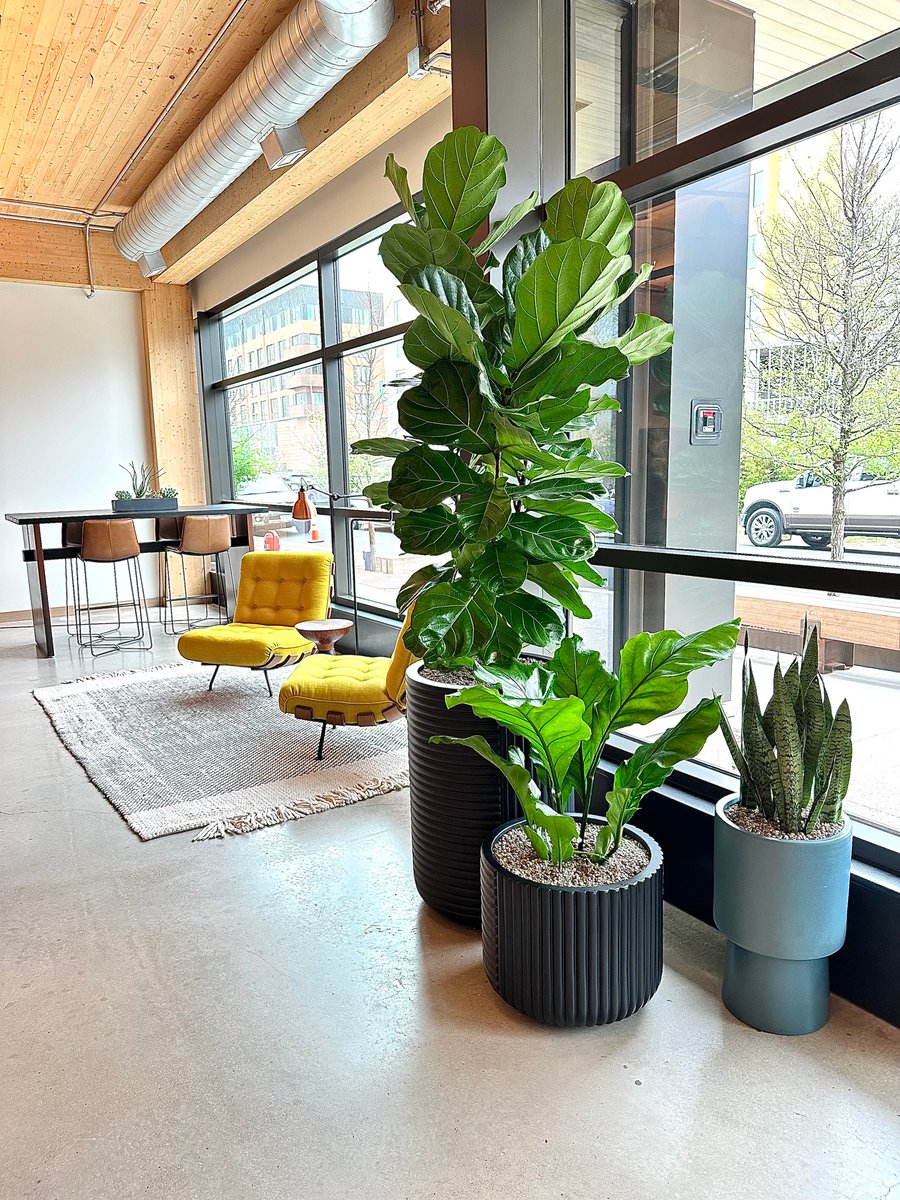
(330, 353)
(840, 91)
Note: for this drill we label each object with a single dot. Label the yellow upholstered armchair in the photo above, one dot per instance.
(348, 689)
(276, 590)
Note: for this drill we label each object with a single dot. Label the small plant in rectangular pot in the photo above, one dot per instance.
(783, 849)
(572, 902)
(494, 475)
(145, 494)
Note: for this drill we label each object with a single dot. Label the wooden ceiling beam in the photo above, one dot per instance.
(373, 103)
(31, 253)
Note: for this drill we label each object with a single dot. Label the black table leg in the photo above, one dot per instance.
(37, 590)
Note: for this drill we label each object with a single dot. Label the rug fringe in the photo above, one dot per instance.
(103, 676)
(280, 813)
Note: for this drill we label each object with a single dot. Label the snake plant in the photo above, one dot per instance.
(794, 756)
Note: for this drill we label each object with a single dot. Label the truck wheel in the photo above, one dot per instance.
(765, 527)
(817, 541)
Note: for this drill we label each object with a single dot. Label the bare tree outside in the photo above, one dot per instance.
(831, 307)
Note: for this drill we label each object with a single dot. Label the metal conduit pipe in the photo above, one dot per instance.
(316, 45)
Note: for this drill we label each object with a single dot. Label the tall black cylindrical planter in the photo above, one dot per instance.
(573, 955)
(456, 798)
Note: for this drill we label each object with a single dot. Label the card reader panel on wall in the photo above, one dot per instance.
(706, 423)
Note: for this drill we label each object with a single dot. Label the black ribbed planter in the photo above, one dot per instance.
(572, 955)
(456, 798)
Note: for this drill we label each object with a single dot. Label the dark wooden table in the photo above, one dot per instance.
(35, 554)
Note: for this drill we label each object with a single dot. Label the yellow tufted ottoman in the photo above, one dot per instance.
(276, 590)
(348, 689)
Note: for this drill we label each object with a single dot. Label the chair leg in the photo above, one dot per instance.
(319, 753)
(268, 683)
(213, 678)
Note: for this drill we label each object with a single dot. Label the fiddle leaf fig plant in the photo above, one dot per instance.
(565, 710)
(494, 473)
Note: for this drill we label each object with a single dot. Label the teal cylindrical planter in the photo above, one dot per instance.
(782, 905)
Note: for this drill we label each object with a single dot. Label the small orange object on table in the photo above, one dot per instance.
(324, 633)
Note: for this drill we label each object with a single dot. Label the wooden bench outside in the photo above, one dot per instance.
(841, 626)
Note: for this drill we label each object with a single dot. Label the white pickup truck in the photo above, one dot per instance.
(803, 506)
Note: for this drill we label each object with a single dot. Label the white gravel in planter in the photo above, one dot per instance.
(752, 821)
(515, 852)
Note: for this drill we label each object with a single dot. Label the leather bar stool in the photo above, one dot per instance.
(112, 542)
(166, 529)
(206, 538)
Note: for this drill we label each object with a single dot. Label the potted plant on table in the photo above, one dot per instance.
(494, 475)
(783, 849)
(572, 902)
(145, 494)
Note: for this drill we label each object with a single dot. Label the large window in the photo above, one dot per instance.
(776, 270)
(649, 74)
(301, 368)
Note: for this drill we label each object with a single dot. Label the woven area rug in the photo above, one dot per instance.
(171, 756)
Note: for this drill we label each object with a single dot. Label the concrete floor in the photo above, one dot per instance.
(276, 1017)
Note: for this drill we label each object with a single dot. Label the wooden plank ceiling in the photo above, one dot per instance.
(83, 81)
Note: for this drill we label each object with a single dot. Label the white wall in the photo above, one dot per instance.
(356, 196)
(72, 408)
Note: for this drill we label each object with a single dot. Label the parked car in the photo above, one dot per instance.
(803, 506)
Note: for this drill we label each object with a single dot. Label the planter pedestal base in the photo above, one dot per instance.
(776, 995)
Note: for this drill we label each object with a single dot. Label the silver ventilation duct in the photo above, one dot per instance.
(309, 52)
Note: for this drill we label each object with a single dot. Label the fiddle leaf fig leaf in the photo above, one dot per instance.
(516, 680)
(449, 619)
(554, 580)
(581, 510)
(483, 515)
(434, 531)
(596, 212)
(400, 182)
(448, 409)
(556, 487)
(508, 224)
(426, 576)
(463, 174)
(580, 364)
(563, 289)
(405, 249)
(424, 477)
(439, 284)
(550, 538)
(517, 262)
(423, 345)
(449, 310)
(647, 337)
(377, 494)
(386, 447)
(500, 569)
(535, 621)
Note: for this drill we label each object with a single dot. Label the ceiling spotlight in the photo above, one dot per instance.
(283, 146)
(151, 263)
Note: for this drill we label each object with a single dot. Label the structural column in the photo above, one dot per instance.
(174, 400)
